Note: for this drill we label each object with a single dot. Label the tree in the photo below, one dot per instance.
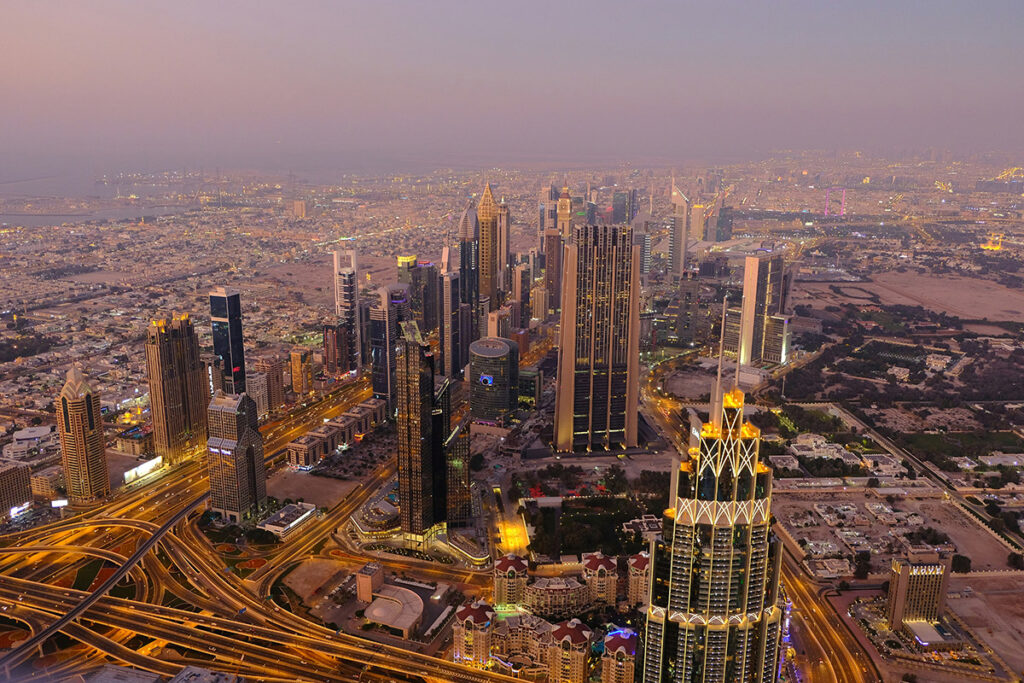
(961, 564)
(476, 463)
(862, 564)
(844, 585)
(1015, 561)
(873, 483)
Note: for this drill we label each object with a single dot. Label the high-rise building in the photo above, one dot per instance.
(302, 370)
(680, 235)
(226, 320)
(569, 652)
(177, 389)
(487, 218)
(597, 398)
(346, 304)
(618, 663)
(336, 349)
(522, 281)
(638, 588)
(600, 573)
(547, 213)
(421, 468)
(493, 379)
(83, 445)
(213, 371)
(469, 260)
(714, 612)
(273, 368)
(763, 297)
(422, 280)
(688, 320)
(503, 248)
(499, 322)
(471, 634)
(918, 585)
(257, 387)
(238, 479)
(15, 486)
(451, 327)
(456, 456)
(392, 309)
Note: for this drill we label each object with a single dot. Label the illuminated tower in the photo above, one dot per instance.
(238, 480)
(392, 309)
(178, 393)
(599, 341)
(469, 258)
(346, 304)
(504, 252)
(451, 327)
(83, 447)
(714, 613)
(226, 321)
(487, 217)
(679, 239)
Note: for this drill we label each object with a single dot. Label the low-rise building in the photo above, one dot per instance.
(46, 484)
(288, 519)
(305, 451)
(471, 634)
(510, 579)
(557, 597)
(601, 575)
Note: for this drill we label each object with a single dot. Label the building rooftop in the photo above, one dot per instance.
(478, 613)
(395, 607)
(510, 562)
(574, 630)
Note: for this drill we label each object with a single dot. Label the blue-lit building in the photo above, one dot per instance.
(494, 379)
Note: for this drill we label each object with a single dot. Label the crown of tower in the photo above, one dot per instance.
(76, 385)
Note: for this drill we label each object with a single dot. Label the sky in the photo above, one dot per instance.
(90, 85)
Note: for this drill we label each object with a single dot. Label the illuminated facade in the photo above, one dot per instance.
(487, 218)
(178, 391)
(510, 579)
(302, 370)
(346, 304)
(601, 576)
(597, 397)
(471, 634)
(679, 237)
(83, 446)
(238, 479)
(450, 333)
(618, 663)
(714, 613)
(917, 588)
(493, 379)
(757, 330)
(639, 585)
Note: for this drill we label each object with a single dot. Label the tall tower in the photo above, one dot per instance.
(469, 256)
(487, 217)
(178, 393)
(346, 303)
(420, 458)
(336, 349)
(599, 341)
(763, 296)
(679, 239)
(714, 612)
(451, 327)
(83, 449)
(238, 479)
(226, 320)
(392, 309)
(504, 253)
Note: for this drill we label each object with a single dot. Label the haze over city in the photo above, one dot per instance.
(434, 342)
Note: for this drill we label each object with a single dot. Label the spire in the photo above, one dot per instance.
(716, 398)
(487, 208)
(468, 226)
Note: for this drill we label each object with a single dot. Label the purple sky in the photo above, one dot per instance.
(92, 84)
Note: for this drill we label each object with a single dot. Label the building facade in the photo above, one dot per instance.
(82, 442)
(918, 585)
(487, 220)
(510, 579)
(346, 304)
(226, 321)
(493, 379)
(302, 370)
(238, 478)
(15, 487)
(471, 634)
(178, 393)
(597, 399)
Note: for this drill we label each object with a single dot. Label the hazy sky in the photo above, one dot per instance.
(90, 84)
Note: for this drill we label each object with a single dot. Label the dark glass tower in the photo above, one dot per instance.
(226, 320)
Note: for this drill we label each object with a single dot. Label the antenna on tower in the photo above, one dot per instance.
(716, 402)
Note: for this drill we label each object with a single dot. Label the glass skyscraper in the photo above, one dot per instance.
(226, 320)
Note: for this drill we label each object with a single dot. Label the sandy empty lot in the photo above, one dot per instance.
(963, 297)
(995, 612)
(321, 491)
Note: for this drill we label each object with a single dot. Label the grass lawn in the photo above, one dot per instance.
(87, 574)
(957, 444)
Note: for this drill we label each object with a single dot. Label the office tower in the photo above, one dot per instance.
(238, 480)
(539, 305)
(624, 206)
(213, 371)
(421, 466)
(499, 322)
(365, 306)
(487, 218)
(596, 405)
(762, 298)
(688, 317)
(226, 320)
(917, 588)
(504, 252)
(469, 257)
(680, 235)
(83, 446)
(643, 240)
(273, 368)
(456, 456)
(177, 389)
(299, 208)
(547, 213)
(493, 379)
(522, 281)
(714, 611)
(451, 327)
(257, 387)
(392, 308)
(336, 349)
(15, 486)
(618, 663)
(302, 370)
(471, 634)
(776, 339)
(346, 304)
(422, 280)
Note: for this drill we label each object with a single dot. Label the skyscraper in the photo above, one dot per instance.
(273, 367)
(547, 211)
(504, 253)
(750, 325)
(714, 612)
(336, 349)
(422, 280)
(522, 282)
(599, 341)
(213, 371)
(469, 257)
(421, 467)
(178, 393)
(456, 456)
(451, 327)
(487, 218)
(554, 240)
(493, 379)
(679, 237)
(392, 309)
(238, 479)
(346, 304)
(226, 320)
(83, 446)
(302, 370)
